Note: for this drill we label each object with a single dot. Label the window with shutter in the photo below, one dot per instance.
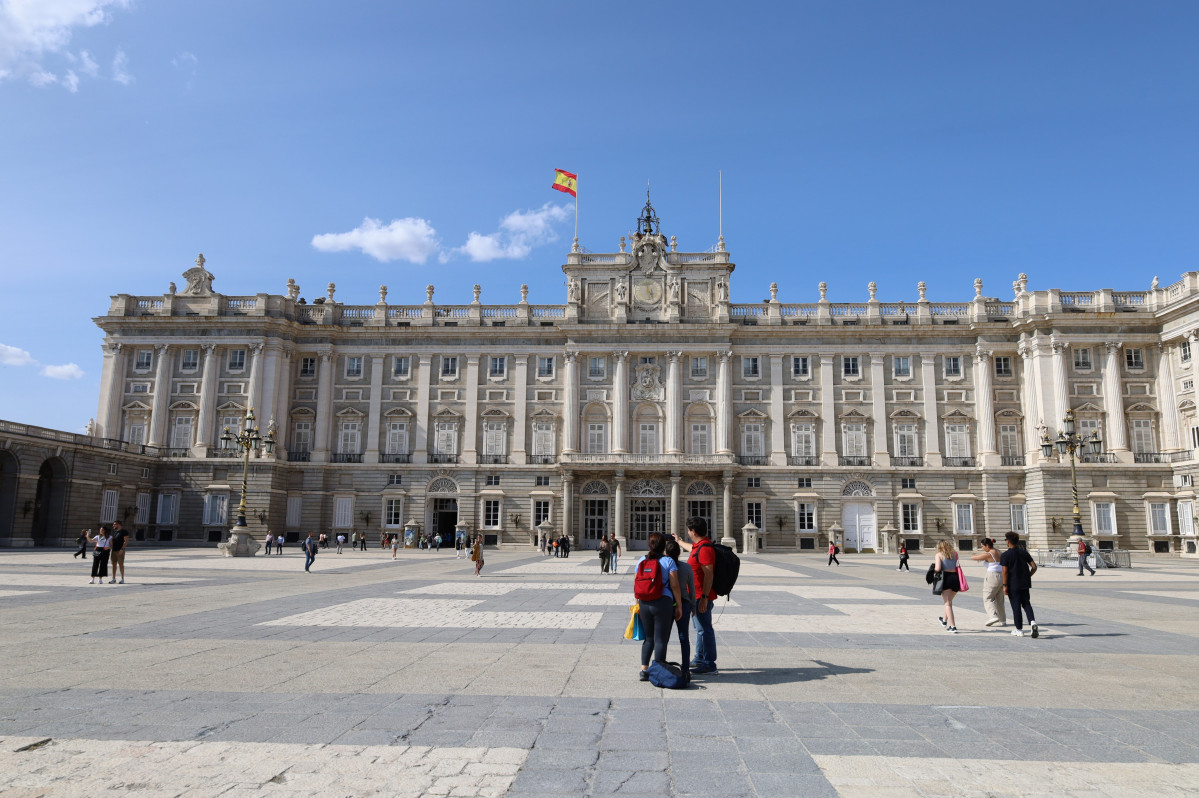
(108, 507)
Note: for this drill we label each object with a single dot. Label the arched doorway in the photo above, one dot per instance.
(8, 493)
(442, 508)
(49, 503)
(857, 517)
(647, 512)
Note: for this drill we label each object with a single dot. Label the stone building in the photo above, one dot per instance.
(645, 398)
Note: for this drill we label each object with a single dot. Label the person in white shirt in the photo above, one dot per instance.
(102, 543)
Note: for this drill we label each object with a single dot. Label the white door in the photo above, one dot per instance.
(858, 520)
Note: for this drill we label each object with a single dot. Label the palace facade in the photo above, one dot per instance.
(645, 398)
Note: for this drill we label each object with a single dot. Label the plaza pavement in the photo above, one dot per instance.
(206, 676)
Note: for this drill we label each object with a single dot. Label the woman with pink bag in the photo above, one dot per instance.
(946, 564)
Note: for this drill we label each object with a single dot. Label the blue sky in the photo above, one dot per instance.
(896, 142)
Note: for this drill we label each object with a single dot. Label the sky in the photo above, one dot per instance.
(400, 143)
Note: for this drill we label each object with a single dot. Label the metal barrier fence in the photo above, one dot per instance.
(1068, 558)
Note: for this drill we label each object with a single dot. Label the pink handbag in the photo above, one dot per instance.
(962, 580)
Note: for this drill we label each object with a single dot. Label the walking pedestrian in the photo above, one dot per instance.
(947, 565)
(100, 544)
(992, 584)
(341, 540)
(395, 546)
(1018, 568)
(279, 543)
(323, 541)
(686, 604)
(541, 542)
(117, 546)
(310, 547)
(82, 540)
(833, 551)
(437, 543)
(657, 615)
(613, 553)
(1084, 551)
(604, 554)
(565, 547)
(268, 543)
(703, 565)
(903, 559)
(476, 554)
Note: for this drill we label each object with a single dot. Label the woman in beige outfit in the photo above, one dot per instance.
(993, 584)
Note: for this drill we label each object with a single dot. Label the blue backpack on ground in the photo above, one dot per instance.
(665, 675)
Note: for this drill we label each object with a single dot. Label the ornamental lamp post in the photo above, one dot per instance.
(1070, 441)
(248, 440)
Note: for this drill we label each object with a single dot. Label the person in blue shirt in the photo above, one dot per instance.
(659, 615)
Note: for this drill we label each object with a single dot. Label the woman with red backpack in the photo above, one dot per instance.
(655, 586)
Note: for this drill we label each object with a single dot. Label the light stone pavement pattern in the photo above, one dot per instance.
(210, 676)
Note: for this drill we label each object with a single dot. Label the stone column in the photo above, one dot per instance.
(371, 452)
(1061, 399)
(112, 390)
(283, 402)
(675, 479)
(162, 395)
(208, 392)
(984, 407)
(620, 402)
(828, 411)
(1166, 397)
(420, 443)
(520, 410)
(324, 408)
(778, 423)
(618, 511)
(932, 423)
(878, 412)
(264, 408)
(724, 403)
(1115, 435)
(726, 514)
(255, 388)
(570, 405)
(568, 491)
(1030, 402)
(470, 442)
(674, 405)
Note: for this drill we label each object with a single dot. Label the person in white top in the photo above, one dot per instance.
(341, 541)
(102, 543)
(993, 584)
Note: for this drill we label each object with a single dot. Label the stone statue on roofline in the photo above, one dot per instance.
(199, 279)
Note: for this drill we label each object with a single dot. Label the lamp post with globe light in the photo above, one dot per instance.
(248, 440)
(1069, 441)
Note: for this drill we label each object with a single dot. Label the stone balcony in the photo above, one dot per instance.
(628, 459)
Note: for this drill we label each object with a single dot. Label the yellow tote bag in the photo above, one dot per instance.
(628, 632)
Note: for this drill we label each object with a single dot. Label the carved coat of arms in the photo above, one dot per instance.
(648, 385)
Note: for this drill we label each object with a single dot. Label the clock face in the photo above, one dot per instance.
(647, 292)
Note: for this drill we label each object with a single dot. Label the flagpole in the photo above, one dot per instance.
(576, 246)
(720, 209)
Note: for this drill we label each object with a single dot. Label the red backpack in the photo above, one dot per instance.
(647, 584)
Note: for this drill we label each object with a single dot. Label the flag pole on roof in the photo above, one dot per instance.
(568, 183)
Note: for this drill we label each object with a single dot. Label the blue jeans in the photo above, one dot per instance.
(682, 625)
(705, 638)
(656, 617)
(308, 558)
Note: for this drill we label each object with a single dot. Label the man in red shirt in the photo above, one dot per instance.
(703, 563)
(1082, 557)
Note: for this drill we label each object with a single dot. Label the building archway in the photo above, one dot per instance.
(9, 468)
(49, 502)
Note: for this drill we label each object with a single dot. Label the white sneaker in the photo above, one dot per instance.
(953, 630)
(1018, 632)
(91, 581)
(121, 582)
(992, 622)
(112, 581)
(944, 623)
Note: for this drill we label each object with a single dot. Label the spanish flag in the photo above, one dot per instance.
(565, 181)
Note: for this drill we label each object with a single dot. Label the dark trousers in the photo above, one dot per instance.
(308, 558)
(832, 558)
(1082, 563)
(100, 564)
(82, 550)
(1019, 601)
(903, 562)
(657, 617)
(683, 626)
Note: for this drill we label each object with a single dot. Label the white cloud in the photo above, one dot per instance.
(519, 232)
(32, 30)
(185, 60)
(88, 64)
(71, 81)
(119, 73)
(410, 239)
(12, 356)
(68, 372)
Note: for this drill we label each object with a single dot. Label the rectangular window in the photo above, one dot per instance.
(699, 368)
(1186, 518)
(596, 368)
(1082, 359)
(902, 365)
(395, 479)
(237, 359)
(135, 434)
(1159, 518)
(957, 442)
(397, 437)
(353, 367)
(907, 483)
(1088, 426)
(168, 507)
(308, 367)
(963, 519)
(750, 368)
(542, 482)
(143, 509)
(699, 439)
(753, 513)
(215, 505)
(953, 366)
(1195, 437)
(393, 513)
(753, 482)
(108, 507)
(800, 366)
(145, 359)
(543, 439)
(495, 437)
(545, 367)
(1018, 519)
(1009, 440)
(805, 517)
(803, 440)
(1105, 518)
(647, 361)
(1184, 351)
(347, 439)
(541, 511)
(803, 482)
(400, 367)
(233, 425)
(491, 514)
(850, 366)
(449, 366)
(855, 440)
(295, 506)
(905, 441)
(752, 440)
(910, 517)
(1003, 366)
(647, 439)
(497, 366)
(491, 481)
(301, 437)
(190, 360)
(1134, 358)
(181, 433)
(343, 512)
(597, 438)
(1142, 435)
(446, 441)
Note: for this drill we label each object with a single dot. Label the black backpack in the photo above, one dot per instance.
(728, 565)
(1087, 549)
